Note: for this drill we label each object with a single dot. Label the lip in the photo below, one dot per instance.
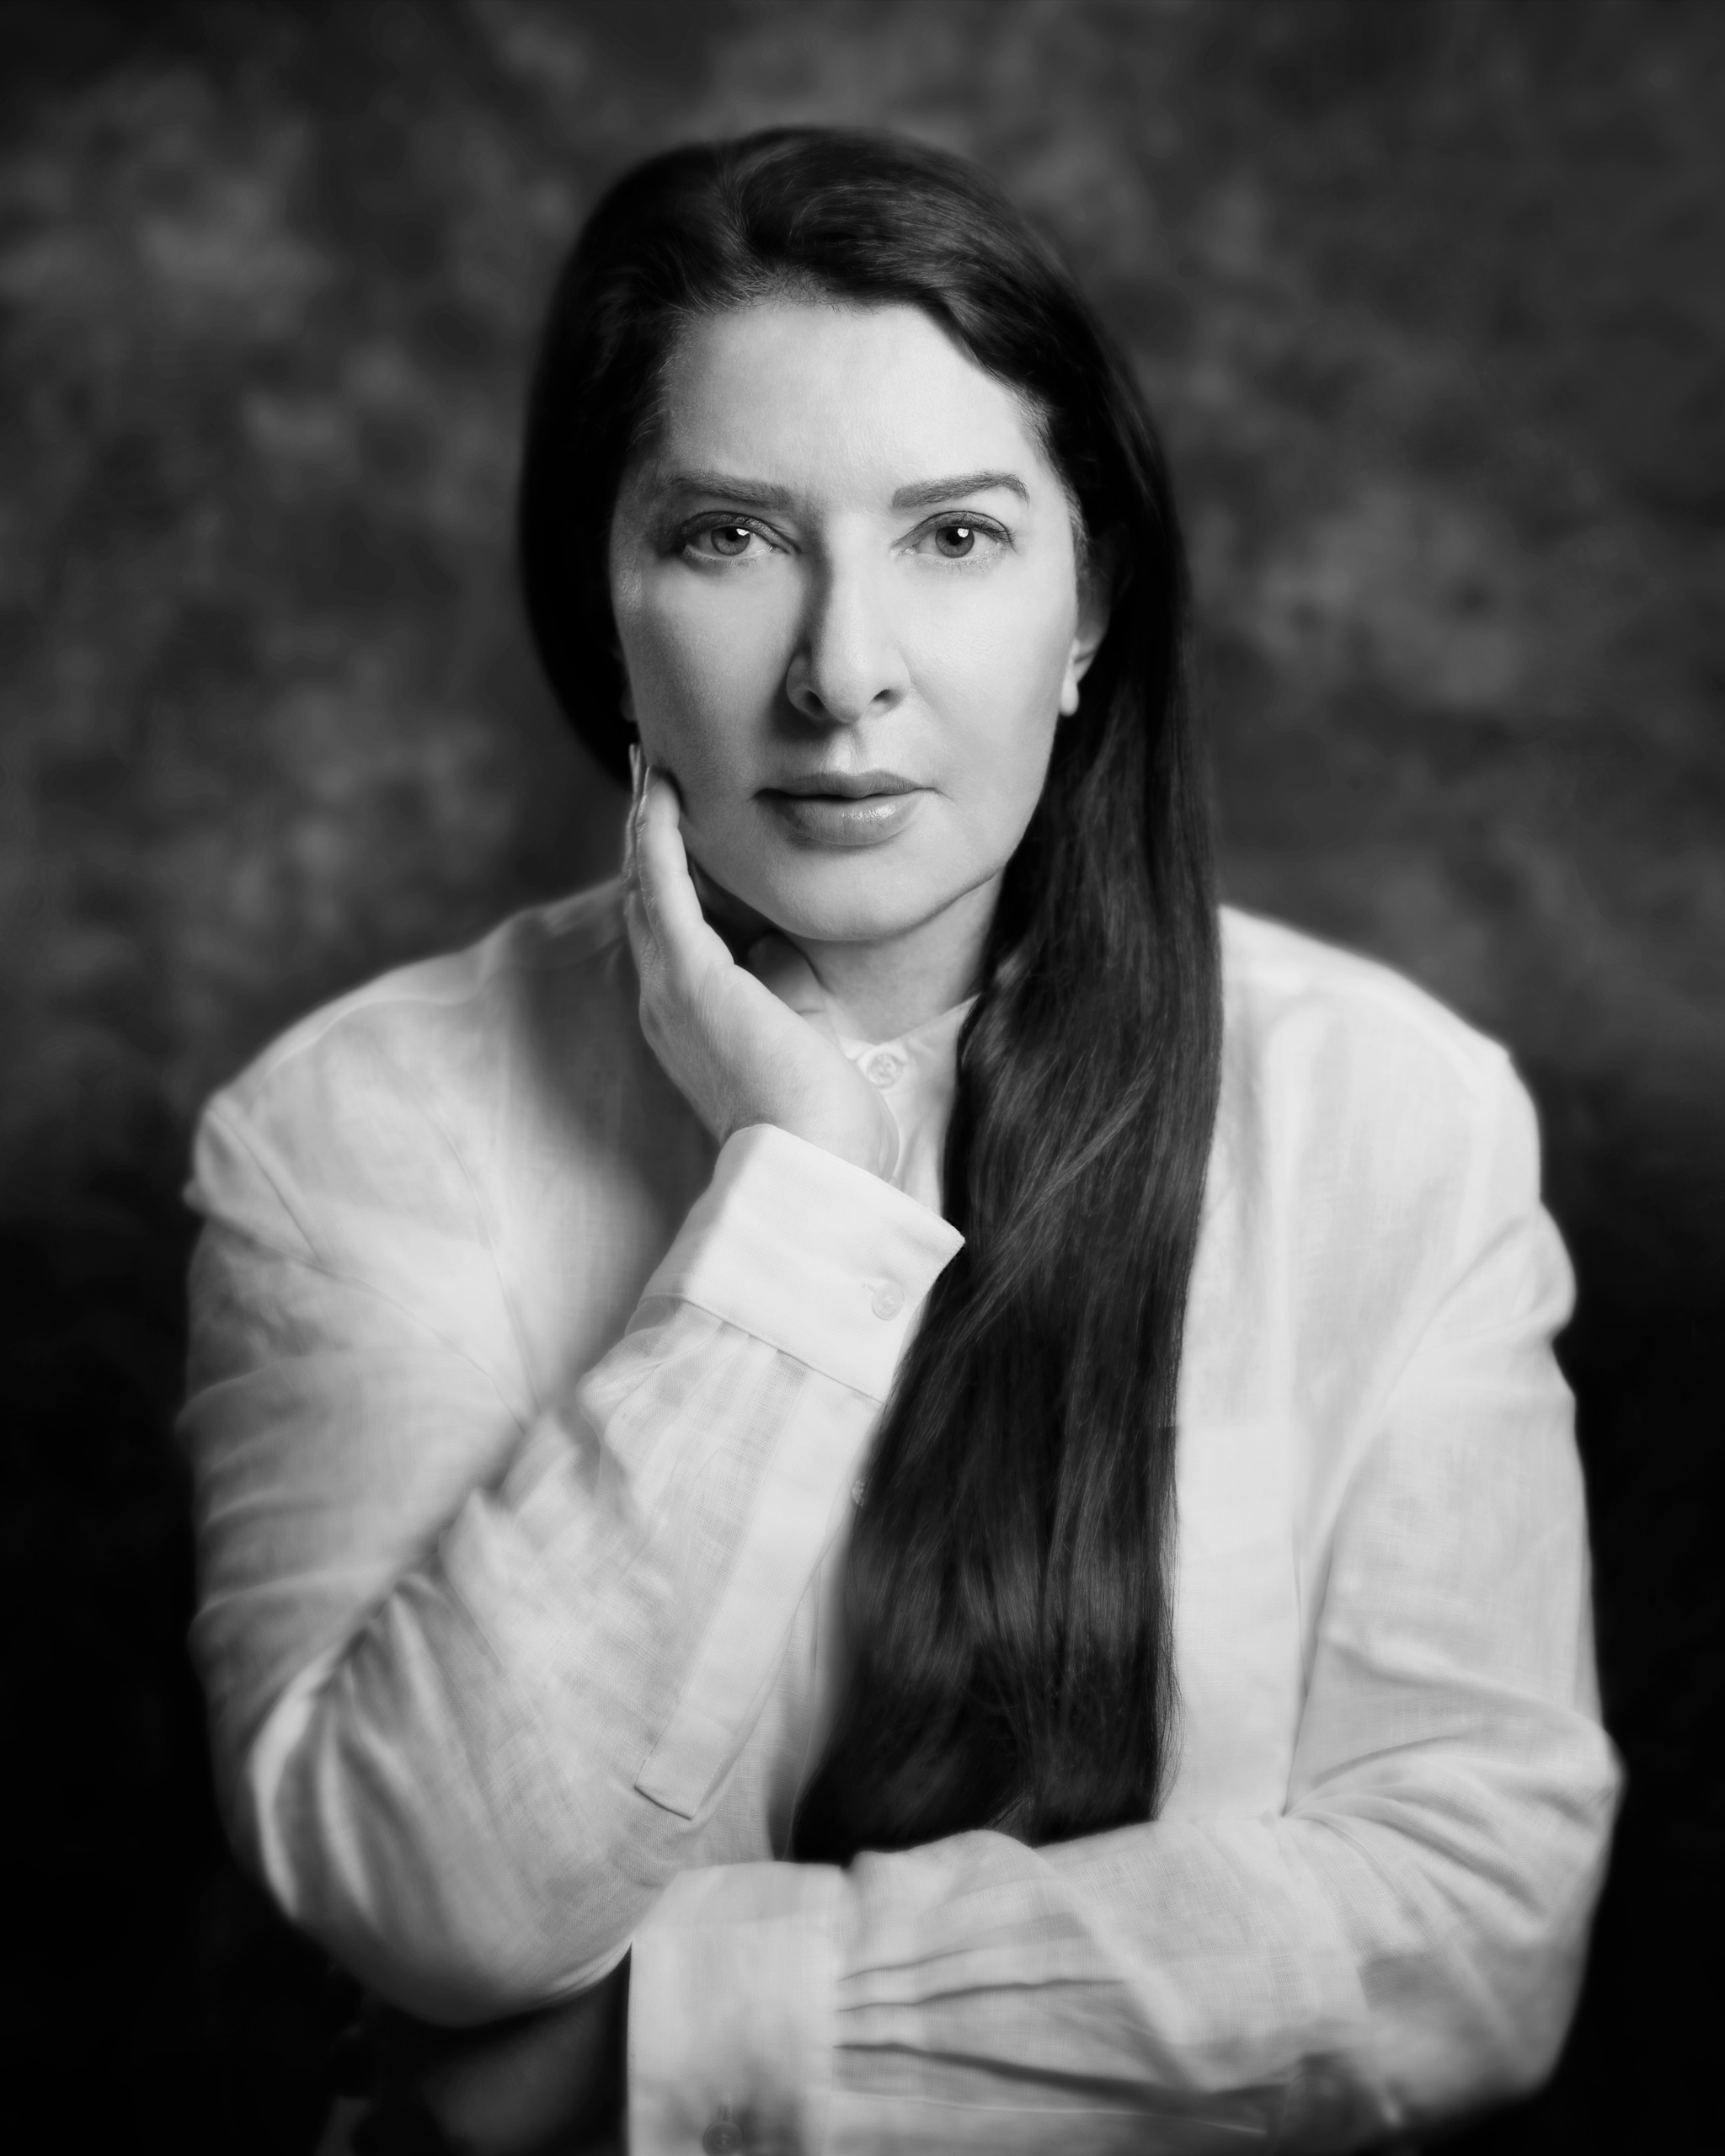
(846, 786)
(844, 809)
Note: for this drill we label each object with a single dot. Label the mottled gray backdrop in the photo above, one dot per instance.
(1430, 297)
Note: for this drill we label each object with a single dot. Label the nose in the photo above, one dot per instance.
(847, 664)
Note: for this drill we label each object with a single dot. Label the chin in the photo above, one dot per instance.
(837, 901)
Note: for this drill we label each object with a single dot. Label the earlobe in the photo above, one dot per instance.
(1092, 627)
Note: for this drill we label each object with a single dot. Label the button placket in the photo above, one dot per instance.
(723, 2136)
(882, 1068)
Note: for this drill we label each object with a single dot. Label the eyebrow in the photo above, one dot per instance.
(932, 492)
(749, 494)
(759, 493)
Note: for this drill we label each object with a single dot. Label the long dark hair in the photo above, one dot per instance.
(1008, 1586)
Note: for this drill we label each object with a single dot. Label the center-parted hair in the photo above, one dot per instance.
(1008, 1589)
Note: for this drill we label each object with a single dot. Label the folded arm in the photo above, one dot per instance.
(1402, 1942)
(478, 1675)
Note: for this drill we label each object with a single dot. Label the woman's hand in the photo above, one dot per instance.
(548, 2083)
(742, 1046)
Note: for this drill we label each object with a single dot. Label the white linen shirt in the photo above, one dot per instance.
(526, 1431)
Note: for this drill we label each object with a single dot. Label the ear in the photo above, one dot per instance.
(1095, 589)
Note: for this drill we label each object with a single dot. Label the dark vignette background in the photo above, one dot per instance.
(1431, 295)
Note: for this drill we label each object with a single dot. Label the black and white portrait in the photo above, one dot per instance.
(863, 870)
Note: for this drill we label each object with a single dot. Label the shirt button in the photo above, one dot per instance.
(724, 2137)
(888, 1300)
(882, 1069)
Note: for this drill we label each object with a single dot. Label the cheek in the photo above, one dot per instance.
(701, 682)
(994, 679)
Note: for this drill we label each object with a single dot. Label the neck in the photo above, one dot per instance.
(878, 990)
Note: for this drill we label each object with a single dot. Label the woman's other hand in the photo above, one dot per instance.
(549, 2083)
(742, 1045)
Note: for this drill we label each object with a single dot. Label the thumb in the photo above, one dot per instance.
(778, 965)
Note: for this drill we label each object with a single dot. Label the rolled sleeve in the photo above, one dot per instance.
(821, 1259)
(733, 1992)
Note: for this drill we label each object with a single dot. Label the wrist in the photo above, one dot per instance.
(872, 1146)
(854, 1125)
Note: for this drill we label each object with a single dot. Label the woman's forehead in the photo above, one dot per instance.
(832, 398)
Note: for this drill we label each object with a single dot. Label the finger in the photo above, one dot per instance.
(637, 778)
(736, 922)
(662, 870)
(643, 945)
(684, 940)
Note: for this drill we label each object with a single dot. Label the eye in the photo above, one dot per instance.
(726, 539)
(729, 538)
(955, 538)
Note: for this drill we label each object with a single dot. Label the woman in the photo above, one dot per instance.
(883, 1435)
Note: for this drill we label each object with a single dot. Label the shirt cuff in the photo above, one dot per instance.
(733, 2012)
(817, 1257)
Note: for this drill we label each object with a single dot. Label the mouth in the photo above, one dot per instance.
(843, 808)
(844, 786)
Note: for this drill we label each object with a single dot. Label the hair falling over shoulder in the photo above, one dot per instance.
(1007, 1589)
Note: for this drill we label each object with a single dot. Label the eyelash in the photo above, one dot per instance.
(984, 528)
(690, 533)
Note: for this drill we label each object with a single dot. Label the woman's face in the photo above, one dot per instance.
(846, 594)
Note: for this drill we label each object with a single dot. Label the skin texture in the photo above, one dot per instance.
(847, 553)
